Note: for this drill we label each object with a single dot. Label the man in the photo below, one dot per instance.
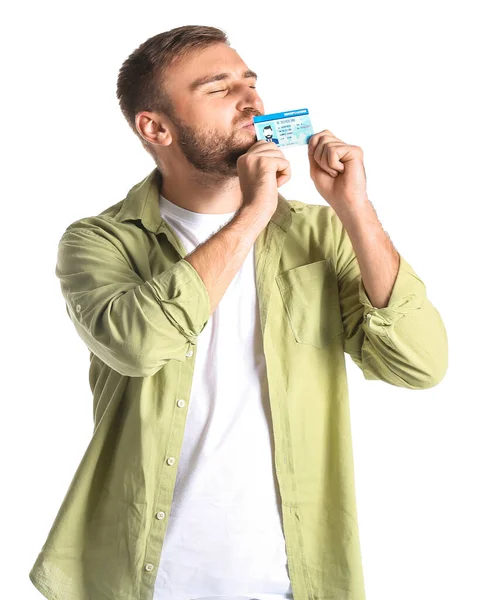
(268, 132)
(217, 315)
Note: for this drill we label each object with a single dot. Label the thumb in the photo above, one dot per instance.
(310, 146)
(310, 154)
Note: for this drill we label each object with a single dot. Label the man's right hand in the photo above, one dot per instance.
(261, 171)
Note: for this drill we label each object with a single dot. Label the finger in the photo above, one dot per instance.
(283, 173)
(320, 156)
(283, 165)
(263, 146)
(267, 152)
(315, 139)
(278, 162)
(333, 157)
(257, 156)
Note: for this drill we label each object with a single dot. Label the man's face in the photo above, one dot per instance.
(268, 132)
(213, 94)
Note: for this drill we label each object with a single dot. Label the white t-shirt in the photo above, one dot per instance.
(225, 536)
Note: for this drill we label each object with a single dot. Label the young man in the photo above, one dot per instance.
(217, 315)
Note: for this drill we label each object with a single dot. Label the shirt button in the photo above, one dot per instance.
(149, 567)
(189, 353)
(180, 403)
(171, 461)
(160, 515)
(78, 307)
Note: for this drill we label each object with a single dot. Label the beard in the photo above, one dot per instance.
(214, 152)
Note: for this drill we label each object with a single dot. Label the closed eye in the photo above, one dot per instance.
(217, 91)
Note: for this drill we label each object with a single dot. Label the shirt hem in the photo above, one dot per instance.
(44, 588)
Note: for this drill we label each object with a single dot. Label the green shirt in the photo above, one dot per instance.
(139, 308)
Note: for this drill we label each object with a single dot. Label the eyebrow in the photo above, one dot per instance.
(219, 77)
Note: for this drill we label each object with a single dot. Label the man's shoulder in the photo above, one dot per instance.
(312, 212)
(129, 216)
(104, 223)
(315, 227)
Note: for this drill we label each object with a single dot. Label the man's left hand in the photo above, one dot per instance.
(337, 170)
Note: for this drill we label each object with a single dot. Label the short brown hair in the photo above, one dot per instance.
(140, 83)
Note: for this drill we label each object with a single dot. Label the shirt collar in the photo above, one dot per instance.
(142, 203)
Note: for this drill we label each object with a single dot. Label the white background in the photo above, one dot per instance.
(404, 81)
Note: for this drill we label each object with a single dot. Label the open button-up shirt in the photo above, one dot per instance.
(139, 307)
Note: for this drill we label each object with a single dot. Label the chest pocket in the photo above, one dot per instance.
(311, 299)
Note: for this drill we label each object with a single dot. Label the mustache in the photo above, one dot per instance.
(249, 116)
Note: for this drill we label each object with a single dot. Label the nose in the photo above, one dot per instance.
(249, 98)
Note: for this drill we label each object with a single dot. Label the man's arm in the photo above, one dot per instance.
(377, 258)
(132, 325)
(220, 257)
(137, 326)
(392, 331)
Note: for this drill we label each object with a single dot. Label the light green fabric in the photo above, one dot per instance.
(139, 308)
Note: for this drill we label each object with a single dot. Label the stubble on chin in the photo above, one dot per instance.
(213, 155)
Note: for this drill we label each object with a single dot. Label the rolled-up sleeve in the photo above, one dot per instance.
(404, 343)
(133, 326)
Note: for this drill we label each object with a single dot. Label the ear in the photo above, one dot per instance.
(154, 128)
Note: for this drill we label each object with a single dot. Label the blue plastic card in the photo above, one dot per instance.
(291, 128)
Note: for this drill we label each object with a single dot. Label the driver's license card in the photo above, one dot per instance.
(291, 128)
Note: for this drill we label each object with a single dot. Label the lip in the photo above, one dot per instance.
(248, 125)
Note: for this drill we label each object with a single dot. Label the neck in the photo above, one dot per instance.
(201, 192)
